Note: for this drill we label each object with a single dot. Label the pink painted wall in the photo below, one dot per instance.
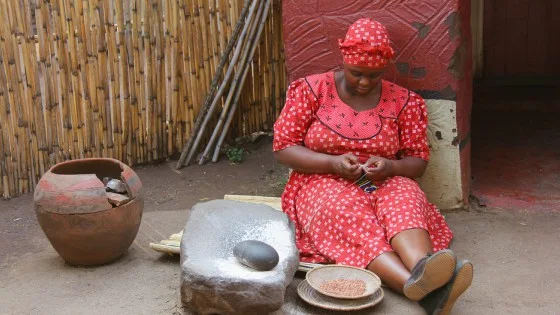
(431, 37)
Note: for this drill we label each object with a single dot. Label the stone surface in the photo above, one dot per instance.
(212, 280)
(256, 254)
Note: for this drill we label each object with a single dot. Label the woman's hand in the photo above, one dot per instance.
(378, 168)
(346, 166)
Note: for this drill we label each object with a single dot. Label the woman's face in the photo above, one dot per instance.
(361, 80)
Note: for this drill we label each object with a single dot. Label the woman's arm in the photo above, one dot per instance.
(410, 166)
(379, 168)
(304, 160)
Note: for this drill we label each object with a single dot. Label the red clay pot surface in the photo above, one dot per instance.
(76, 216)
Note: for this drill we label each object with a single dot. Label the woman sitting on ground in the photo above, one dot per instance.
(354, 142)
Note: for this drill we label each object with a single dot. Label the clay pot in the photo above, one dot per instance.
(74, 212)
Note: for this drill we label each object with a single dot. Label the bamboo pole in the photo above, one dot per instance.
(61, 148)
(4, 129)
(201, 36)
(132, 80)
(245, 71)
(83, 101)
(145, 74)
(205, 108)
(14, 92)
(123, 84)
(149, 81)
(138, 90)
(130, 88)
(89, 78)
(14, 97)
(26, 114)
(275, 70)
(111, 73)
(175, 100)
(245, 47)
(75, 126)
(160, 142)
(221, 25)
(100, 49)
(241, 50)
(36, 126)
(186, 113)
(45, 82)
(167, 51)
(124, 101)
(197, 52)
(132, 85)
(168, 47)
(191, 67)
(94, 82)
(210, 12)
(268, 57)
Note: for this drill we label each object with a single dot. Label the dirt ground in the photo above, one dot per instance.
(515, 253)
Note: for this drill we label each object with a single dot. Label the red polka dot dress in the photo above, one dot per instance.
(336, 221)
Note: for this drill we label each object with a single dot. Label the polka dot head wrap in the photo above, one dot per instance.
(367, 44)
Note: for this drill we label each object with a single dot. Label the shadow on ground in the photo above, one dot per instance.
(515, 253)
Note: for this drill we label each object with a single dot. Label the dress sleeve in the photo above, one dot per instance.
(297, 115)
(413, 122)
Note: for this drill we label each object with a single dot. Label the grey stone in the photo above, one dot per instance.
(212, 280)
(256, 254)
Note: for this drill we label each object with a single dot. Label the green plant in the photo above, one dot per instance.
(235, 155)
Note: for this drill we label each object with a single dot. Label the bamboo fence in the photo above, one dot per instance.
(120, 79)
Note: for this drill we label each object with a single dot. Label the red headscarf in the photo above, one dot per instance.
(367, 44)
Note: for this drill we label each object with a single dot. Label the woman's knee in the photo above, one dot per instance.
(403, 188)
(403, 183)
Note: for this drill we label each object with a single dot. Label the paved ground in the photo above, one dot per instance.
(515, 253)
(516, 167)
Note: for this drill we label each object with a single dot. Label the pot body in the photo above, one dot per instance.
(73, 210)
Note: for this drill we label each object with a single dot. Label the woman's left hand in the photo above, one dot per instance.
(378, 168)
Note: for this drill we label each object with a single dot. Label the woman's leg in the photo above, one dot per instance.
(411, 246)
(389, 267)
(404, 212)
(394, 267)
(346, 231)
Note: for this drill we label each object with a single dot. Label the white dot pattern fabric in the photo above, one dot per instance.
(346, 225)
(367, 44)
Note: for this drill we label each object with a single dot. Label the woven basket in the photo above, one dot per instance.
(319, 275)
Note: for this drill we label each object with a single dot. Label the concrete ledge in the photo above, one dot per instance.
(442, 180)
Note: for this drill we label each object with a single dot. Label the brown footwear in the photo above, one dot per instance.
(429, 274)
(441, 301)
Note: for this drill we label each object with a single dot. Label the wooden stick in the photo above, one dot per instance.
(233, 87)
(252, 17)
(165, 248)
(176, 236)
(5, 130)
(274, 202)
(129, 80)
(175, 99)
(171, 242)
(133, 39)
(234, 106)
(205, 108)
